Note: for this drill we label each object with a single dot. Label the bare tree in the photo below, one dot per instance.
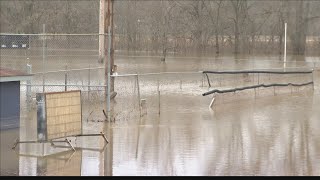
(302, 20)
(195, 11)
(257, 19)
(22, 16)
(280, 24)
(215, 19)
(167, 8)
(240, 10)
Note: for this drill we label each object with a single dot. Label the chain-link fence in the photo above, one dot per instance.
(146, 96)
(89, 80)
(61, 62)
(149, 95)
(58, 62)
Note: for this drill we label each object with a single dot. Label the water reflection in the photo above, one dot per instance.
(276, 135)
(92, 163)
(78, 163)
(9, 161)
(62, 164)
(267, 137)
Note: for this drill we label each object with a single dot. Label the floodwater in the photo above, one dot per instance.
(277, 134)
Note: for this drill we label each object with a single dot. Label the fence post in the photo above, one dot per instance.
(159, 100)
(138, 94)
(66, 78)
(312, 80)
(109, 73)
(43, 56)
(158, 83)
(89, 83)
(89, 79)
(285, 46)
(28, 92)
(143, 105)
(201, 81)
(255, 93)
(158, 89)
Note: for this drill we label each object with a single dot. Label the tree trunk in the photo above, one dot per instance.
(236, 36)
(217, 30)
(217, 44)
(281, 24)
(299, 37)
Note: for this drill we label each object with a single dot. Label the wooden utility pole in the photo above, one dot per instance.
(101, 30)
(112, 47)
(108, 22)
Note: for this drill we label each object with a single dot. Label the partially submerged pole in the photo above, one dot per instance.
(108, 75)
(158, 89)
(285, 46)
(66, 78)
(108, 27)
(159, 101)
(28, 92)
(211, 103)
(138, 87)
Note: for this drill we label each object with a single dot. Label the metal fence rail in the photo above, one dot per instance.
(253, 87)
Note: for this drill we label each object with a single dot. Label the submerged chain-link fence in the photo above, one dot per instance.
(58, 62)
(90, 81)
(61, 62)
(149, 95)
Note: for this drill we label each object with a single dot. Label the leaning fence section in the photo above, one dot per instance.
(244, 84)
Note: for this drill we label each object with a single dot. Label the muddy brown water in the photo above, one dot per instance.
(271, 135)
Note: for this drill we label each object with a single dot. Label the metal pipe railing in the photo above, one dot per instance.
(253, 87)
(258, 71)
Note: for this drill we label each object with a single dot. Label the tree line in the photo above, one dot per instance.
(178, 26)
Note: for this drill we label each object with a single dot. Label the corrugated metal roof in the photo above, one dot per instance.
(7, 75)
(4, 72)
